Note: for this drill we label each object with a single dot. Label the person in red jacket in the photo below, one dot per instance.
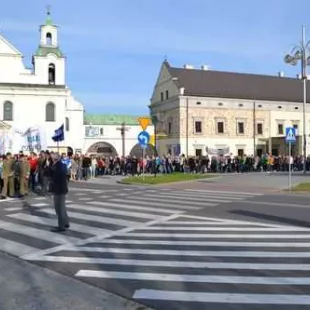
(33, 162)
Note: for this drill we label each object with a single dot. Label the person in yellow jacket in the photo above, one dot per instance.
(8, 177)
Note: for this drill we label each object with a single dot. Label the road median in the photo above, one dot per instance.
(165, 178)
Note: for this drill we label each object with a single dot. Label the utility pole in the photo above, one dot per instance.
(254, 128)
(123, 130)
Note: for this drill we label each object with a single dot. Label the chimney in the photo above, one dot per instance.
(182, 89)
(204, 67)
(188, 67)
(280, 74)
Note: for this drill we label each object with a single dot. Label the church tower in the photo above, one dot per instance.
(49, 61)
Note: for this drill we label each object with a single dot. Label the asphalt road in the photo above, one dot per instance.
(171, 249)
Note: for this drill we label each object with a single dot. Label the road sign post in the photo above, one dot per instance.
(289, 166)
(290, 138)
(143, 139)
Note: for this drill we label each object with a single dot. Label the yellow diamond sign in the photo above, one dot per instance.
(144, 122)
(152, 140)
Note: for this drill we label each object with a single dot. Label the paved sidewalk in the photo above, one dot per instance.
(27, 287)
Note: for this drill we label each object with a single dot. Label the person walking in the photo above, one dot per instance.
(59, 187)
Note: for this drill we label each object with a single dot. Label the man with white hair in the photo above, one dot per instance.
(59, 188)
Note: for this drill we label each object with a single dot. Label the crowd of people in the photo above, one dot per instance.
(20, 172)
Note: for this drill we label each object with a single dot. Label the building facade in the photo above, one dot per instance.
(205, 112)
(114, 135)
(37, 99)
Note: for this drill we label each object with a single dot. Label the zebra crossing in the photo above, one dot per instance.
(193, 262)
(95, 214)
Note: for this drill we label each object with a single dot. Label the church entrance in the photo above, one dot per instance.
(137, 150)
(103, 149)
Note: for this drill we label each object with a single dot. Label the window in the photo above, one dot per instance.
(198, 152)
(8, 111)
(280, 129)
(101, 131)
(67, 124)
(50, 112)
(167, 94)
(161, 96)
(240, 152)
(198, 127)
(51, 74)
(259, 128)
(48, 38)
(220, 104)
(169, 128)
(220, 127)
(240, 105)
(295, 126)
(198, 103)
(240, 128)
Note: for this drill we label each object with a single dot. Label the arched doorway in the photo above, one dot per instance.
(102, 148)
(137, 150)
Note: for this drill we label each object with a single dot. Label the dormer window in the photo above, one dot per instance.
(48, 38)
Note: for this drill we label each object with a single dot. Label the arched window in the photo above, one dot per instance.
(8, 111)
(48, 38)
(51, 74)
(67, 124)
(50, 112)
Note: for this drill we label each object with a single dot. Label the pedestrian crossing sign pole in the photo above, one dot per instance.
(290, 138)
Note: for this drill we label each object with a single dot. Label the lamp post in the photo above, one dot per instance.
(301, 53)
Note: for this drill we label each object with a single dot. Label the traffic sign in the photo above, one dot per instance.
(144, 139)
(144, 122)
(290, 133)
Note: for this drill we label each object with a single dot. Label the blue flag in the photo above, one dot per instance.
(59, 134)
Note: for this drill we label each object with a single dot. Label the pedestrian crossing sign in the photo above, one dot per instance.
(290, 135)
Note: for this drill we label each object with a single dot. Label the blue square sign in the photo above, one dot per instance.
(290, 134)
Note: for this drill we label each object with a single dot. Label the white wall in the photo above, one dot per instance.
(113, 136)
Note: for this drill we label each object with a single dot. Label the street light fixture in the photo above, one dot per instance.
(302, 53)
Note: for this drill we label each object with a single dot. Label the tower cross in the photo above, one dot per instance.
(48, 9)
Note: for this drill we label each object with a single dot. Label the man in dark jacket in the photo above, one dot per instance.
(59, 188)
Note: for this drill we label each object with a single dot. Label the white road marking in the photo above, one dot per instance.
(48, 221)
(113, 211)
(208, 195)
(132, 207)
(197, 253)
(186, 199)
(259, 229)
(39, 204)
(15, 248)
(209, 223)
(85, 199)
(173, 264)
(192, 278)
(176, 202)
(37, 233)
(210, 243)
(96, 218)
(236, 193)
(230, 298)
(13, 209)
(98, 238)
(228, 236)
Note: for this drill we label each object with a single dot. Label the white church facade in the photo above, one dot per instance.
(37, 100)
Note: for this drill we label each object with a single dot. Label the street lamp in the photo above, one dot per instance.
(302, 53)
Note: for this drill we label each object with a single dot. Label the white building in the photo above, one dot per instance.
(37, 98)
(204, 111)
